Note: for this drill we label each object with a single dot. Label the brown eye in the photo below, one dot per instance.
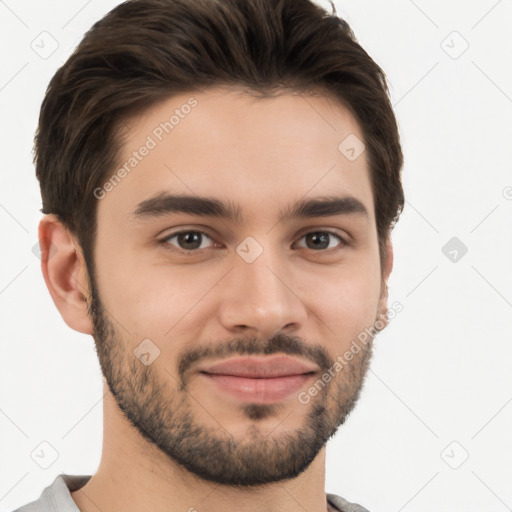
(321, 240)
(187, 240)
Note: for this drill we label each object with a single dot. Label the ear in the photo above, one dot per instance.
(65, 273)
(386, 271)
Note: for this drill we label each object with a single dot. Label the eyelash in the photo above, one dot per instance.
(194, 252)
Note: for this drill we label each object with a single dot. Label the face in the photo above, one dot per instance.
(222, 319)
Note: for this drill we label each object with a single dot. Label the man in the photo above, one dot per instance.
(219, 184)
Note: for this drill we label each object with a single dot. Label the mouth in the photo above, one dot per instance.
(262, 380)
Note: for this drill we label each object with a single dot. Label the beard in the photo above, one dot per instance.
(163, 414)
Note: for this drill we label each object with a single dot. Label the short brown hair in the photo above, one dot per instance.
(145, 51)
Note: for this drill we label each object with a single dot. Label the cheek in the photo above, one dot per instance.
(150, 300)
(346, 303)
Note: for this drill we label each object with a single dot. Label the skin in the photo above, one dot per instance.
(262, 154)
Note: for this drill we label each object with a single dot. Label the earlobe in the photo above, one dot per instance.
(386, 271)
(388, 266)
(65, 273)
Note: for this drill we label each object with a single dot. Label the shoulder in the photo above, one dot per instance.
(57, 496)
(343, 505)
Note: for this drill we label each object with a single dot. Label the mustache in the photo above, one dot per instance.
(279, 343)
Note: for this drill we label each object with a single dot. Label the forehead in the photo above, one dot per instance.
(253, 153)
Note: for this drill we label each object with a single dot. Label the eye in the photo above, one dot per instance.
(187, 241)
(320, 240)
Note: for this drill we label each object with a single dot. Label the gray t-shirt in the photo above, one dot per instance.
(57, 497)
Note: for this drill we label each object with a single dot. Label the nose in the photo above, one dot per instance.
(260, 298)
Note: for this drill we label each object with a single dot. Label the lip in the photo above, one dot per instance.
(262, 380)
(260, 367)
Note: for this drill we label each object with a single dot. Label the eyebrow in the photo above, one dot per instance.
(165, 204)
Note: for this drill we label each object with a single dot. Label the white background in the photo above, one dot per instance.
(440, 387)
